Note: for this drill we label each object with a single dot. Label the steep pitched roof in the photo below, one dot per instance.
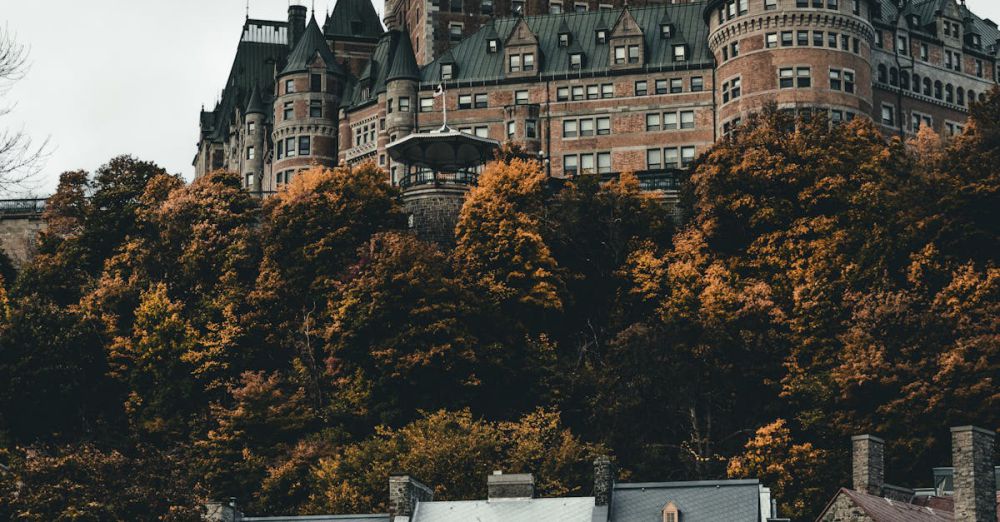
(926, 11)
(404, 61)
(474, 63)
(374, 75)
(256, 104)
(567, 509)
(311, 44)
(354, 19)
(701, 501)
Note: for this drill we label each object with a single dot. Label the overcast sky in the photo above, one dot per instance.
(112, 77)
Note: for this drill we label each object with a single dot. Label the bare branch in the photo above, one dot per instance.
(20, 159)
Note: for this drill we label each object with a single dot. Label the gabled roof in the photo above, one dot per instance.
(626, 24)
(404, 62)
(701, 501)
(567, 509)
(354, 19)
(373, 76)
(884, 510)
(311, 45)
(474, 63)
(927, 10)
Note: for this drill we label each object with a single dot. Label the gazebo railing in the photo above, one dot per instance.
(22, 207)
(425, 177)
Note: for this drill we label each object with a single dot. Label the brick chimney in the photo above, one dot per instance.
(518, 486)
(604, 480)
(297, 15)
(404, 493)
(868, 464)
(974, 478)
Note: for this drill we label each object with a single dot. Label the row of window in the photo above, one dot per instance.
(315, 84)
(656, 121)
(814, 38)
(947, 93)
(364, 133)
(672, 86)
(315, 110)
(294, 146)
(584, 127)
(587, 163)
(670, 157)
(836, 117)
(593, 92)
(530, 129)
(734, 8)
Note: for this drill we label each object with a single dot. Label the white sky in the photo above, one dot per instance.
(112, 77)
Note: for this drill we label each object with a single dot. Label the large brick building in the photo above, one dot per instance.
(586, 85)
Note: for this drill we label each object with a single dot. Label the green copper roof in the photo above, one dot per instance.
(312, 43)
(353, 19)
(256, 104)
(474, 63)
(404, 62)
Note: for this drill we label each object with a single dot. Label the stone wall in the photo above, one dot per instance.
(18, 237)
(843, 510)
(434, 211)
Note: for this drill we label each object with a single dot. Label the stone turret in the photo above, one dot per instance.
(401, 87)
(255, 142)
(306, 107)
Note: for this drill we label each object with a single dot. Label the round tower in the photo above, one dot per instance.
(306, 107)
(255, 134)
(799, 54)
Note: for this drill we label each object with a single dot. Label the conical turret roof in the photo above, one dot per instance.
(404, 62)
(354, 19)
(312, 43)
(256, 104)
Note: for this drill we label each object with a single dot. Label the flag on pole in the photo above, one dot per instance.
(439, 91)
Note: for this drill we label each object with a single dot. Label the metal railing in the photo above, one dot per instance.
(22, 207)
(653, 180)
(438, 178)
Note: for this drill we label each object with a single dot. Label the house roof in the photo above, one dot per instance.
(373, 76)
(311, 44)
(568, 509)
(922, 509)
(404, 61)
(256, 104)
(926, 11)
(354, 19)
(701, 501)
(474, 63)
(321, 518)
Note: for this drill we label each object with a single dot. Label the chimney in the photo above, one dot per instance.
(604, 480)
(974, 477)
(868, 464)
(518, 486)
(404, 493)
(220, 511)
(296, 24)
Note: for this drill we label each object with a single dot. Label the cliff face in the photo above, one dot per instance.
(18, 236)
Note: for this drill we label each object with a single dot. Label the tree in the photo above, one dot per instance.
(20, 159)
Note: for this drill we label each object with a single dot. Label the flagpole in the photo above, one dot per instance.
(444, 106)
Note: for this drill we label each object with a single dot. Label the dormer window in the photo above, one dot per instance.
(666, 30)
(680, 53)
(517, 6)
(576, 61)
(601, 36)
(977, 41)
(447, 71)
(564, 39)
(914, 20)
(671, 513)
(492, 46)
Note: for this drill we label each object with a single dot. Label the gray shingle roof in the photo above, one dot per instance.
(703, 501)
(373, 76)
(253, 66)
(926, 11)
(354, 19)
(474, 63)
(569, 509)
(404, 61)
(256, 104)
(312, 43)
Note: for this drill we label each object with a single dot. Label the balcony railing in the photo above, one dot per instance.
(414, 179)
(22, 207)
(654, 180)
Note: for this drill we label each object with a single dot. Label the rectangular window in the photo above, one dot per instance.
(289, 86)
(802, 38)
(530, 129)
(786, 78)
(404, 104)
(289, 147)
(697, 84)
(687, 119)
(587, 164)
(670, 158)
(520, 97)
(486, 7)
(786, 38)
(845, 42)
(315, 109)
(570, 166)
(803, 77)
(831, 39)
(455, 32)
(464, 101)
(593, 92)
(515, 63)
(607, 90)
(251, 153)
(304, 145)
(604, 126)
(819, 40)
(633, 54)
(641, 88)
(510, 130)
(653, 159)
(316, 83)
(619, 54)
(888, 115)
(483, 132)
(653, 122)
(771, 40)
(849, 81)
(670, 121)
(680, 54)
(901, 45)
(481, 101)
(251, 127)
(676, 86)
(426, 104)
(555, 7)
(661, 86)
(288, 111)
(577, 92)
(604, 163)
(836, 80)
(281, 149)
(770, 5)
(562, 94)
(456, 6)
(924, 52)
(529, 62)
(447, 71)
(586, 127)
(570, 129)
(687, 156)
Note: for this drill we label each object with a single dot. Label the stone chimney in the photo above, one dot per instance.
(296, 24)
(604, 480)
(974, 478)
(518, 486)
(868, 464)
(404, 493)
(220, 511)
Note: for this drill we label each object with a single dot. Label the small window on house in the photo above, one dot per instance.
(426, 104)
(447, 71)
(619, 54)
(486, 7)
(562, 94)
(511, 128)
(251, 127)
(607, 90)
(564, 39)
(601, 36)
(530, 129)
(670, 513)
(520, 97)
(315, 109)
(288, 111)
(481, 101)
(316, 83)
(641, 88)
(465, 101)
(289, 86)
(492, 46)
(529, 62)
(575, 61)
(593, 92)
(555, 7)
(665, 31)
(304, 145)
(604, 126)
(697, 84)
(455, 32)
(251, 153)
(633, 54)
(514, 64)
(289, 147)
(404, 104)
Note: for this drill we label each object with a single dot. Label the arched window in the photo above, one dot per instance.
(927, 86)
(893, 77)
(949, 93)
(670, 513)
(982, 97)
(904, 80)
(938, 88)
(882, 74)
(972, 97)
(961, 97)
(916, 83)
